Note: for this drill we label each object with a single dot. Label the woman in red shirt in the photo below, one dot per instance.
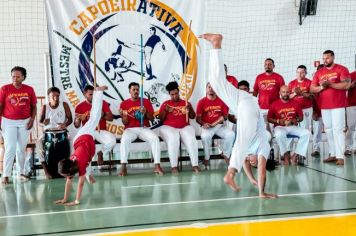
(18, 111)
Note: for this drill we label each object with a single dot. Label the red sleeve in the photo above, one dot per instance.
(225, 109)
(148, 106)
(290, 86)
(106, 107)
(33, 98)
(255, 86)
(77, 109)
(315, 80)
(200, 107)
(344, 73)
(2, 96)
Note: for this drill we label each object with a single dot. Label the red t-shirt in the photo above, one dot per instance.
(17, 102)
(176, 118)
(331, 98)
(85, 108)
(267, 87)
(233, 80)
(351, 95)
(316, 106)
(211, 110)
(84, 150)
(305, 87)
(285, 110)
(131, 107)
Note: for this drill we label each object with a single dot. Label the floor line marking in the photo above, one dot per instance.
(169, 203)
(153, 185)
(330, 174)
(228, 223)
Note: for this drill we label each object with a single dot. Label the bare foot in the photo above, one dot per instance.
(101, 88)
(214, 39)
(294, 159)
(206, 162)
(268, 196)
(24, 178)
(100, 158)
(340, 162)
(229, 179)
(174, 170)
(196, 169)
(158, 170)
(91, 179)
(123, 171)
(286, 159)
(5, 180)
(330, 159)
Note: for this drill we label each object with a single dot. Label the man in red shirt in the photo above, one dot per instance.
(18, 111)
(211, 115)
(84, 150)
(351, 116)
(331, 82)
(131, 112)
(173, 115)
(285, 114)
(300, 91)
(267, 86)
(232, 79)
(82, 114)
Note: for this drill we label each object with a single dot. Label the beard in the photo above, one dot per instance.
(285, 98)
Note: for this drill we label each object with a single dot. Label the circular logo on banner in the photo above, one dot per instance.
(137, 47)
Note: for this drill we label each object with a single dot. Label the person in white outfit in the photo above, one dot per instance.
(18, 110)
(175, 114)
(104, 137)
(286, 114)
(55, 116)
(251, 132)
(211, 115)
(136, 114)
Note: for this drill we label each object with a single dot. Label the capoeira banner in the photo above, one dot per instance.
(115, 26)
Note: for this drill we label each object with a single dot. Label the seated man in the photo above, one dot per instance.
(285, 114)
(84, 150)
(211, 115)
(82, 111)
(173, 115)
(55, 117)
(131, 112)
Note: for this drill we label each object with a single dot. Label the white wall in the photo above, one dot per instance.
(253, 30)
(256, 29)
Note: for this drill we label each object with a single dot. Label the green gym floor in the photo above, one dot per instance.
(143, 202)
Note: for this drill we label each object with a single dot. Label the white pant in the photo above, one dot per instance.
(351, 124)
(145, 134)
(172, 136)
(95, 115)
(107, 139)
(15, 135)
(317, 132)
(281, 133)
(223, 132)
(334, 123)
(307, 118)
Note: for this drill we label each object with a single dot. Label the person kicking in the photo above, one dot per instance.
(84, 150)
(245, 107)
